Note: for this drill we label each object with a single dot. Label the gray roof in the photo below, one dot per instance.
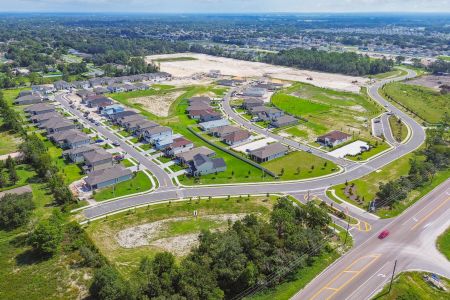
(45, 116)
(189, 155)
(286, 119)
(104, 175)
(70, 136)
(130, 118)
(80, 150)
(157, 129)
(97, 155)
(39, 107)
(218, 163)
(222, 130)
(57, 122)
(33, 97)
(269, 150)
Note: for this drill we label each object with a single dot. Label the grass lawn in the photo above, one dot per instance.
(145, 147)
(367, 186)
(135, 140)
(164, 159)
(127, 163)
(29, 277)
(323, 110)
(8, 142)
(443, 243)
(444, 57)
(176, 168)
(138, 184)
(124, 133)
(26, 175)
(374, 150)
(411, 285)
(428, 104)
(107, 146)
(127, 259)
(87, 130)
(300, 161)
(390, 74)
(398, 128)
(162, 86)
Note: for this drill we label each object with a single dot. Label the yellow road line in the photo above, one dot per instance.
(355, 273)
(430, 213)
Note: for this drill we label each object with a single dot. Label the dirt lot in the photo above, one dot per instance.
(430, 81)
(158, 104)
(232, 67)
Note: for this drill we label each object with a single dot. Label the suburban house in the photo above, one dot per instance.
(333, 138)
(269, 86)
(198, 106)
(40, 108)
(254, 92)
(206, 126)
(70, 139)
(256, 110)
(144, 125)
(125, 119)
(197, 113)
(268, 152)
(199, 99)
(106, 177)
(252, 102)
(163, 143)
(122, 115)
(223, 130)
(179, 145)
(186, 157)
(83, 94)
(112, 110)
(132, 126)
(44, 117)
(100, 90)
(283, 121)
(229, 82)
(141, 86)
(44, 89)
(203, 165)
(80, 84)
(157, 133)
(61, 85)
(98, 101)
(236, 137)
(116, 88)
(270, 114)
(57, 124)
(97, 160)
(210, 116)
(76, 155)
(29, 99)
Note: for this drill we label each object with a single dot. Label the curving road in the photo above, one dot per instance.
(352, 171)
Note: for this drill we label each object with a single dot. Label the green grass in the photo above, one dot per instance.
(87, 130)
(323, 110)
(300, 161)
(162, 86)
(443, 243)
(124, 133)
(127, 259)
(412, 286)
(26, 175)
(428, 104)
(138, 184)
(8, 142)
(398, 128)
(374, 150)
(145, 147)
(107, 146)
(176, 168)
(170, 59)
(444, 57)
(127, 163)
(390, 74)
(135, 140)
(295, 131)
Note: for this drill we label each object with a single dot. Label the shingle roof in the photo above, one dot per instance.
(104, 175)
(189, 155)
(157, 129)
(82, 149)
(335, 135)
(39, 107)
(179, 142)
(237, 136)
(71, 136)
(97, 155)
(269, 150)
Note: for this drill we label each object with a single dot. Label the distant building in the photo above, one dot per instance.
(76, 155)
(61, 85)
(252, 102)
(333, 138)
(29, 99)
(254, 92)
(70, 139)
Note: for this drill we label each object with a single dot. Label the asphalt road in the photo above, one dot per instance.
(367, 267)
(163, 178)
(352, 171)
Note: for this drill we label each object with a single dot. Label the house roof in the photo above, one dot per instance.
(98, 155)
(200, 99)
(146, 124)
(80, 150)
(222, 130)
(125, 113)
(130, 118)
(201, 111)
(70, 136)
(180, 142)
(104, 175)
(57, 122)
(198, 106)
(45, 116)
(285, 119)
(189, 155)
(258, 109)
(39, 107)
(98, 101)
(213, 124)
(269, 150)
(253, 100)
(237, 136)
(334, 135)
(157, 129)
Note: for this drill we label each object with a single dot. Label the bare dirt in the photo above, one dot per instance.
(158, 104)
(150, 234)
(245, 69)
(430, 81)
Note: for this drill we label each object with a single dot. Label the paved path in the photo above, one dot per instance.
(18, 191)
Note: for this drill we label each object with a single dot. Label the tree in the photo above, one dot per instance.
(3, 179)
(108, 285)
(13, 177)
(47, 236)
(15, 210)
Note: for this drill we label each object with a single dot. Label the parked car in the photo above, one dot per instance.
(99, 141)
(383, 234)
(116, 144)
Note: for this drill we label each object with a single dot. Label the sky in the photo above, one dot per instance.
(224, 6)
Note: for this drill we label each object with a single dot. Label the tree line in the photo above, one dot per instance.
(226, 263)
(421, 172)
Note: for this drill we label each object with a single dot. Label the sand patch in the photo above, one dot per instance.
(357, 108)
(150, 234)
(158, 104)
(239, 68)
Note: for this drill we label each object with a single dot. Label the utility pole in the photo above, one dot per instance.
(392, 277)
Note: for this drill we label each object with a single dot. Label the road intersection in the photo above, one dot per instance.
(369, 256)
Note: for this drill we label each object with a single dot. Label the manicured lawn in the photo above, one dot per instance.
(299, 165)
(176, 168)
(398, 128)
(107, 146)
(295, 131)
(164, 159)
(87, 130)
(138, 184)
(145, 147)
(428, 104)
(103, 232)
(127, 163)
(323, 110)
(374, 150)
(135, 140)
(443, 243)
(124, 133)
(411, 285)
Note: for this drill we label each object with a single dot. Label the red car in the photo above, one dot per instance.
(383, 234)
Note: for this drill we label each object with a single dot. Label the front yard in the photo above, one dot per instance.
(138, 184)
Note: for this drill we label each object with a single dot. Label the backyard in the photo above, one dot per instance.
(427, 103)
(138, 184)
(322, 110)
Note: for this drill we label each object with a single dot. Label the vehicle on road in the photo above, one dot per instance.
(383, 234)
(116, 144)
(99, 141)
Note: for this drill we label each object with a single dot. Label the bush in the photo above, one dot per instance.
(47, 236)
(15, 210)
